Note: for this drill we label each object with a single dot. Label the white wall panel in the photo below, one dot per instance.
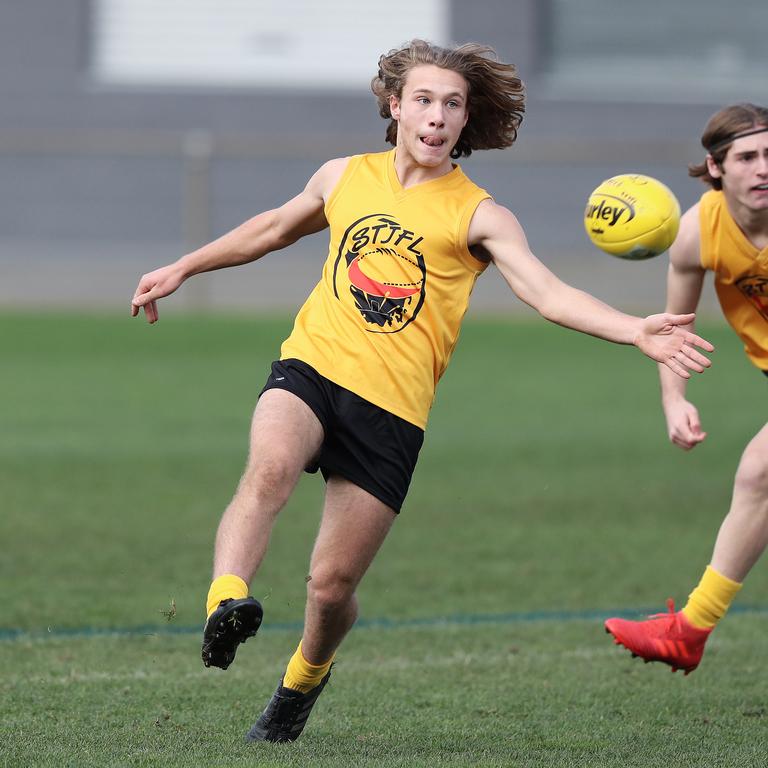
(262, 43)
(657, 50)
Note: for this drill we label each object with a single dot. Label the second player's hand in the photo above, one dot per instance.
(683, 424)
(153, 286)
(664, 339)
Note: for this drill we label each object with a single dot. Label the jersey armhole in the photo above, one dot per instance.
(462, 235)
(706, 251)
(349, 171)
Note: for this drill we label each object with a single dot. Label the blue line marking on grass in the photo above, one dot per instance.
(524, 617)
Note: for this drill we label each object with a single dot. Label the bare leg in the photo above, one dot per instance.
(678, 639)
(285, 436)
(353, 527)
(744, 533)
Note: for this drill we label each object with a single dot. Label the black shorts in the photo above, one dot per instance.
(370, 447)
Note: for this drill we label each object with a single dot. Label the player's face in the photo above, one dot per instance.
(430, 114)
(745, 172)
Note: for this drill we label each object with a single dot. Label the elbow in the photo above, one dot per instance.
(276, 236)
(550, 310)
(281, 241)
(548, 307)
(545, 294)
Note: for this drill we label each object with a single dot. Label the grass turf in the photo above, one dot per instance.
(545, 485)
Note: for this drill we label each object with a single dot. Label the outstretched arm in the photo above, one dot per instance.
(664, 338)
(267, 232)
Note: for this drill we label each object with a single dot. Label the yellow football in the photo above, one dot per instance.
(632, 216)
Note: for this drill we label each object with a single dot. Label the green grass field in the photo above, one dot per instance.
(546, 498)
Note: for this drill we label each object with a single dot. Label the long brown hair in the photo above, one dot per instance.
(496, 96)
(720, 132)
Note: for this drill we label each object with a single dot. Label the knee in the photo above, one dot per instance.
(331, 589)
(752, 474)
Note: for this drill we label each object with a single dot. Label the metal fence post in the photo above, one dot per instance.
(197, 148)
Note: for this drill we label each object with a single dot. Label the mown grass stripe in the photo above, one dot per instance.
(523, 617)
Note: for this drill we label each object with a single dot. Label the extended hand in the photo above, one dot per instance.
(154, 286)
(662, 338)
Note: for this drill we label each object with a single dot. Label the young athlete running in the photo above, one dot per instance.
(726, 232)
(350, 395)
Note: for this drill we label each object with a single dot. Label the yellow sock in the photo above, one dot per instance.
(303, 676)
(223, 588)
(708, 603)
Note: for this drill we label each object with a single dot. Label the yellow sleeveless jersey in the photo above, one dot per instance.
(385, 316)
(741, 275)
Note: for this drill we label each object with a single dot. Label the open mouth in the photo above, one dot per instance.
(761, 188)
(432, 141)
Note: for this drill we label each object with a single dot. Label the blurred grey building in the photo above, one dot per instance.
(133, 130)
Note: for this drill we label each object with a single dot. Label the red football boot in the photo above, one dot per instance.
(667, 637)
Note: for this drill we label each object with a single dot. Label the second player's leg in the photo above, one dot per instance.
(285, 436)
(678, 639)
(744, 533)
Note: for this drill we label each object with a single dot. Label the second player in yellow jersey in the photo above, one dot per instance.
(741, 274)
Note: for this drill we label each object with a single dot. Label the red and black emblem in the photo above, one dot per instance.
(755, 288)
(380, 265)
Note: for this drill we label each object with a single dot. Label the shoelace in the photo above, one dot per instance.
(670, 610)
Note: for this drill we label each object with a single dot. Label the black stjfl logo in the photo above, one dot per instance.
(381, 267)
(755, 288)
